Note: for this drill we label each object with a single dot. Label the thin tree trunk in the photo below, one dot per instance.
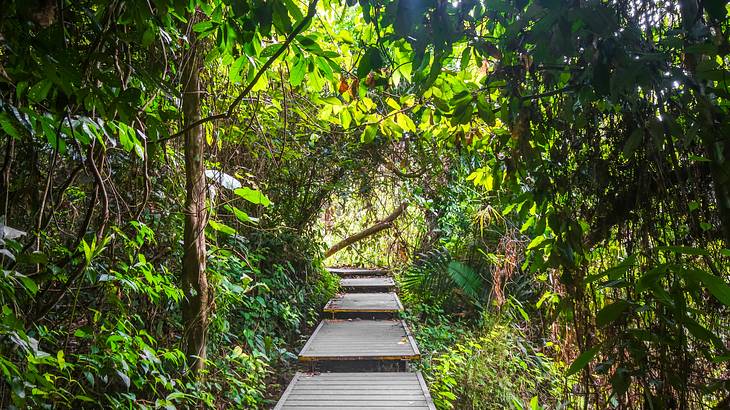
(194, 281)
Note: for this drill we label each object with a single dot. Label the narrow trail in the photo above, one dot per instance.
(359, 357)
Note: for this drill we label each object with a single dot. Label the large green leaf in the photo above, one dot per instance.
(252, 196)
(611, 312)
(715, 285)
(582, 360)
(221, 227)
(372, 60)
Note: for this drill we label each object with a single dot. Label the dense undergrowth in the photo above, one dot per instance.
(487, 364)
(119, 350)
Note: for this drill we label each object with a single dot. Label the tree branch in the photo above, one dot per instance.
(231, 108)
(379, 226)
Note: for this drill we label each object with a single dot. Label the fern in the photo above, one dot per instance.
(436, 274)
(466, 279)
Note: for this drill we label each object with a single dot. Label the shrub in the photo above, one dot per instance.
(493, 367)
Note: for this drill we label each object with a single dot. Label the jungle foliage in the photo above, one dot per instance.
(565, 162)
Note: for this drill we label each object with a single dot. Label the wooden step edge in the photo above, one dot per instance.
(309, 359)
(399, 308)
(359, 271)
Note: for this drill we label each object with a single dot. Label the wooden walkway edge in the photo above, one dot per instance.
(351, 361)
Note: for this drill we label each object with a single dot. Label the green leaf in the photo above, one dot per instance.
(253, 196)
(651, 277)
(40, 90)
(465, 56)
(33, 258)
(715, 285)
(486, 112)
(601, 79)
(221, 227)
(633, 142)
(87, 251)
(148, 37)
(536, 242)
(61, 359)
(614, 271)
(175, 395)
(611, 313)
(698, 158)
(294, 10)
(203, 26)
(372, 60)
(462, 113)
(297, 72)
(405, 122)
(240, 215)
(582, 360)
(28, 283)
(620, 381)
(700, 332)
(7, 125)
(126, 142)
(280, 17)
(368, 134)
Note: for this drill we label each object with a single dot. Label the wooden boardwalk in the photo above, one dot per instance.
(358, 271)
(359, 354)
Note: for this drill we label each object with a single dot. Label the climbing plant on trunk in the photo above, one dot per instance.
(195, 309)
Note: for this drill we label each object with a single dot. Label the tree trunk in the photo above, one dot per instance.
(195, 304)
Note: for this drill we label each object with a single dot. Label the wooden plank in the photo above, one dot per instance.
(367, 394)
(364, 302)
(375, 282)
(358, 271)
(360, 340)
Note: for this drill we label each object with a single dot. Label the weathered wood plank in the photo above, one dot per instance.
(364, 302)
(358, 271)
(367, 394)
(360, 340)
(368, 284)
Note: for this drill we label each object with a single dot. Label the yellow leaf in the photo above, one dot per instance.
(392, 103)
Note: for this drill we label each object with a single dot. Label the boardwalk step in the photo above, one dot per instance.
(360, 345)
(356, 391)
(358, 271)
(364, 306)
(369, 285)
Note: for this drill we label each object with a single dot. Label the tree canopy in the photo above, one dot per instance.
(176, 173)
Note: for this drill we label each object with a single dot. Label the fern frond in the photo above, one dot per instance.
(466, 279)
